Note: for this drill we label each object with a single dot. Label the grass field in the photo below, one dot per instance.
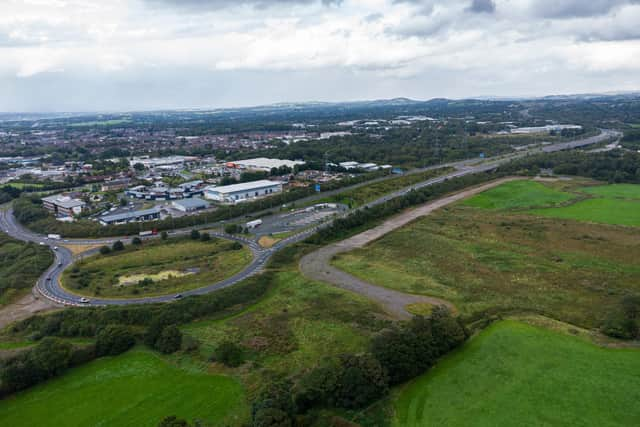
(514, 374)
(137, 388)
(297, 324)
(119, 274)
(622, 191)
(503, 260)
(20, 266)
(601, 210)
(518, 194)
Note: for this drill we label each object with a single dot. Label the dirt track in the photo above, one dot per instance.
(25, 307)
(316, 265)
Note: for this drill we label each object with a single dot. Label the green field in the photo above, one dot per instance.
(514, 374)
(20, 266)
(602, 210)
(173, 265)
(506, 261)
(297, 324)
(137, 388)
(622, 191)
(518, 194)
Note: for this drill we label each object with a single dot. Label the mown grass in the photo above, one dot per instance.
(516, 374)
(137, 388)
(213, 260)
(518, 194)
(498, 261)
(623, 191)
(600, 210)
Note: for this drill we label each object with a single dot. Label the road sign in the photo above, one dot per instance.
(317, 188)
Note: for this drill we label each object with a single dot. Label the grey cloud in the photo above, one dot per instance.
(196, 5)
(482, 6)
(559, 9)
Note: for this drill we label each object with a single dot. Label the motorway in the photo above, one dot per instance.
(49, 286)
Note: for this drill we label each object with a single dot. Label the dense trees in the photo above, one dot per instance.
(353, 381)
(21, 264)
(114, 339)
(624, 321)
(169, 340)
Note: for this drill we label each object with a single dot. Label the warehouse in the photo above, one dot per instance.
(133, 216)
(241, 192)
(190, 205)
(265, 164)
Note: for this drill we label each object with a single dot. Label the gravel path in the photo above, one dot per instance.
(316, 265)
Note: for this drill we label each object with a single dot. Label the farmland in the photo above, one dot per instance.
(516, 374)
(157, 267)
(506, 260)
(137, 388)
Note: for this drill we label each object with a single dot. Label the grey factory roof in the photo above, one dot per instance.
(127, 215)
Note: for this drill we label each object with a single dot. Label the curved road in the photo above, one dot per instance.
(49, 286)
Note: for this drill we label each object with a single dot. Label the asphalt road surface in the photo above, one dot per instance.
(49, 283)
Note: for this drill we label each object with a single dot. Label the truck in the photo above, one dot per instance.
(253, 224)
(54, 236)
(148, 233)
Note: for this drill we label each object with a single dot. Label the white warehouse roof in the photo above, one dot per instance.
(244, 186)
(265, 163)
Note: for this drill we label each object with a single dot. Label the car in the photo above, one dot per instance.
(85, 300)
(59, 264)
(55, 248)
(48, 279)
(178, 296)
(41, 243)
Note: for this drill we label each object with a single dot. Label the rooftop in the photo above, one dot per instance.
(193, 202)
(63, 201)
(243, 186)
(127, 215)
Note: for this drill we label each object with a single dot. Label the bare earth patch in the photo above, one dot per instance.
(23, 308)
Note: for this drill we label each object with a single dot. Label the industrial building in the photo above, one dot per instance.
(115, 184)
(63, 205)
(133, 216)
(190, 205)
(264, 164)
(241, 192)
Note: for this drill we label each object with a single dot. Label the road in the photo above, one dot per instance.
(49, 283)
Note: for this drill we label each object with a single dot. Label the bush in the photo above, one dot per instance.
(195, 234)
(136, 241)
(169, 340)
(164, 235)
(105, 250)
(409, 349)
(624, 321)
(229, 353)
(113, 340)
(232, 228)
(236, 246)
(205, 237)
(117, 246)
(271, 417)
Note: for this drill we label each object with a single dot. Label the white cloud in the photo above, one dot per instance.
(498, 45)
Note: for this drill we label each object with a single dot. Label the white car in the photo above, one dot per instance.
(84, 300)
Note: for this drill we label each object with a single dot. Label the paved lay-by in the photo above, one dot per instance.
(49, 286)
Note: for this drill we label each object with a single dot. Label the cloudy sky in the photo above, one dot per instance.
(80, 55)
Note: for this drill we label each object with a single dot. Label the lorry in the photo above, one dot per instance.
(54, 236)
(148, 233)
(253, 224)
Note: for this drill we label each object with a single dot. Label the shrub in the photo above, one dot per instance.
(205, 237)
(169, 340)
(136, 241)
(164, 235)
(113, 340)
(229, 353)
(117, 246)
(195, 234)
(104, 250)
(232, 228)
